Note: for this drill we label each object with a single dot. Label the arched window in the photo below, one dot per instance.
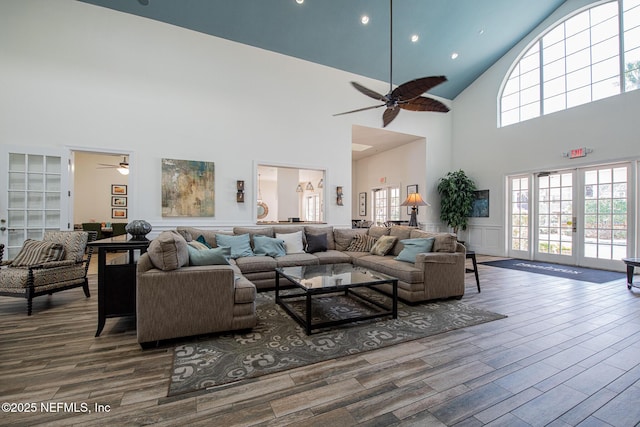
(584, 58)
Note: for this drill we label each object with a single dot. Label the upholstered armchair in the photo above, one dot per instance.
(43, 267)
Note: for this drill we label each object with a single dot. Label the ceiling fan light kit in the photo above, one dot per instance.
(122, 167)
(407, 96)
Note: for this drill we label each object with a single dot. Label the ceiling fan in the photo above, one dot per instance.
(122, 167)
(407, 96)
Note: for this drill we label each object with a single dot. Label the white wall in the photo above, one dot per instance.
(488, 153)
(77, 75)
(401, 166)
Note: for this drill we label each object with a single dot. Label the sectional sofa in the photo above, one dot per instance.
(227, 292)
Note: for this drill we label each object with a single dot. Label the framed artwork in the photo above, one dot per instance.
(188, 188)
(480, 204)
(411, 189)
(119, 189)
(119, 213)
(362, 203)
(119, 201)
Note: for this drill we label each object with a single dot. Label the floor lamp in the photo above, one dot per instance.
(414, 200)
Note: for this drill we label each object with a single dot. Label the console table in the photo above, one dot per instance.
(117, 282)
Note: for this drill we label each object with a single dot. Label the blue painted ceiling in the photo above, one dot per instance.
(330, 32)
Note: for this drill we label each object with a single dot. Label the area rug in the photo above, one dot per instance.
(557, 270)
(278, 343)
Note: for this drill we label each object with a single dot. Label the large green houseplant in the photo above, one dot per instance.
(456, 191)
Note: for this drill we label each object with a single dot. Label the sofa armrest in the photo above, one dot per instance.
(439, 257)
(183, 302)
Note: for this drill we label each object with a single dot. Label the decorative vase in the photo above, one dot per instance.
(138, 229)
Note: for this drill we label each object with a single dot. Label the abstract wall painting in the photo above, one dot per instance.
(188, 188)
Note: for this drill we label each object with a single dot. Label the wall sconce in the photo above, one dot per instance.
(339, 196)
(240, 194)
(321, 183)
(299, 189)
(309, 186)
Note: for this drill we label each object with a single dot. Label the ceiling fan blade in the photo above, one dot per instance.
(359, 109)
(108, 166)
(389, 114)
(370, 93)
(423, 103)
(417, 87)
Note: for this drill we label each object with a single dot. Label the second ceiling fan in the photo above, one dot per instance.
(407, 96)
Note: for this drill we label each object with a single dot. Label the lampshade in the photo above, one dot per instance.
(299, 189)
(414, 199)
(309, 187)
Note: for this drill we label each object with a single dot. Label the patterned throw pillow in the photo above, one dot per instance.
(35, 252)
(383, 245)
(361, 243)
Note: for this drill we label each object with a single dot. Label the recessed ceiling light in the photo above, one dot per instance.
(359, 147)
(299, 1)
(364, 19)
(481, 31)
(454, 55)
(415, 38)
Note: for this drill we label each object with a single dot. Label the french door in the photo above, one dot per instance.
(580, 216)
(33, 195)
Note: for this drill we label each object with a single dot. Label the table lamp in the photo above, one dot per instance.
(414, 200)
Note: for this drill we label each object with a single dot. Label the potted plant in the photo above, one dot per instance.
(456, 191)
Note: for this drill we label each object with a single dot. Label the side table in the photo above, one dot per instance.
(631, 263)
(117, 282)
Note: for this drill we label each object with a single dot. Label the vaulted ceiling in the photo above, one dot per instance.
(332, 33)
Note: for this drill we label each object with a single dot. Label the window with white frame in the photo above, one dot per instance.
(591, 55)
(312, 207)
(386, 204)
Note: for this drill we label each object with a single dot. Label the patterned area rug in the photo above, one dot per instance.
(278, 343)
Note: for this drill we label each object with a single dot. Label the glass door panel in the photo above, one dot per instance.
(555, 226)
(519, 217)
(606, 228)
(32, 199)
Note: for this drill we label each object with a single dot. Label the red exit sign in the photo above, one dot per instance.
(577, 152)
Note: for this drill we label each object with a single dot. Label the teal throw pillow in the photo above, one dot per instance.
(202, 240)
(413, 247)
(268, 246)
(240, 245)
(213, 256)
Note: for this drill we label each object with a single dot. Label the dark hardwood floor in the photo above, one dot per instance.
(568, 354)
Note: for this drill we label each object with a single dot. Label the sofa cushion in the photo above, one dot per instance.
(209, 256)
(168, 251)
(36, 252)
(383, 245)
(317, 243)
(197, 245)
(256, 263)
(403, 271)
(268, 246)
(253, 231)
(361, 243)
(245, 291)
(327, 231)
(292, 242)
(332, 257)
(444, 242)
(291, 260)
(376, 231)
(343, 236)
(203, 240)
(413, 247)
(240, 245)
(401, 232)
(209, 235)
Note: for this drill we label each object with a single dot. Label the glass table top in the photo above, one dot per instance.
(332, 276)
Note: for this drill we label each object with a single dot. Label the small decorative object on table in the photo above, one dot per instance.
(138, 229)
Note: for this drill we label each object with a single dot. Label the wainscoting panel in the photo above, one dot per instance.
(487, 240)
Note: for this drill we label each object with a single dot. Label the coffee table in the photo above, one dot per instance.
(314, 280)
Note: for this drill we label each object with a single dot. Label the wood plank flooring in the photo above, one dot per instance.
(568, 354)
